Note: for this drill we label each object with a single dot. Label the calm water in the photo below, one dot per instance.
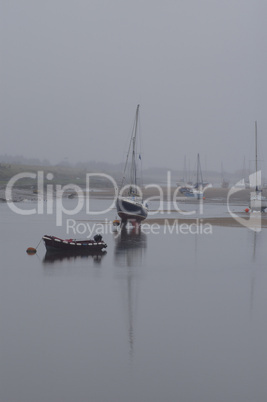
(165, 317)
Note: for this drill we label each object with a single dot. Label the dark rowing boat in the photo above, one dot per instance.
(53, 243)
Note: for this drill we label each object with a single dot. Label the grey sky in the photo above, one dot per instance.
(72, 73)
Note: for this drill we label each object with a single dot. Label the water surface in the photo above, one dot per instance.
(160, 317)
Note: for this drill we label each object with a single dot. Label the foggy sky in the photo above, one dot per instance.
(73, 72)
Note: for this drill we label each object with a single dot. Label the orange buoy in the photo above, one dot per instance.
(247, 210)
(31, 250)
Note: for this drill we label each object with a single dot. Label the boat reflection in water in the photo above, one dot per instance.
(52, 257)
(130, 246)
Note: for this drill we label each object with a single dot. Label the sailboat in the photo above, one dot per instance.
(244, 182)
(224, 183)
(198, 187)
(132, 206)
(196, 190)
(183, 182)
(257, 201)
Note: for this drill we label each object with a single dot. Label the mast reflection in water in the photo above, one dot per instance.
(130, 245)
(129, 251)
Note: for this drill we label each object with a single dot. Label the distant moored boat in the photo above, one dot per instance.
(257, 201)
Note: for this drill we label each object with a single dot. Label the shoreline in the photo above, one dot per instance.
(213, 194)
(251, 222)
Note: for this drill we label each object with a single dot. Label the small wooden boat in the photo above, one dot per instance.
(53, 243)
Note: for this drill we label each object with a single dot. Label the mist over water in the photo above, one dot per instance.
(72, 75)
(158, 317)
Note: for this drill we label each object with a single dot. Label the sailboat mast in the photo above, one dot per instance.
(197, 170)
(185, 171)
(133, 170)
(256, 155)
(199, 173)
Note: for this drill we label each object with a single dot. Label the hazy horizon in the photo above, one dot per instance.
(72, 74)
(177, 174)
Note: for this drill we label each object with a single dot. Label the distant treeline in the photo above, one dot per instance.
(91, 165)
(21, 160)
(79, 169)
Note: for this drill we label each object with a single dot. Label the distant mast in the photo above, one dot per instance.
(133, 169)
(256, 156)
(199, 173)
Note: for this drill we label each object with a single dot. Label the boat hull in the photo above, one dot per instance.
(191, 192)
(258, 202)
(198, 194)
(53, 243)
(131, 209)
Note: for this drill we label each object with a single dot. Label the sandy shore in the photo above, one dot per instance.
(18, 195)
(214, 194)
(248, 220)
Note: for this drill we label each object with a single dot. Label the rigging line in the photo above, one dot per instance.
(140, 148)
(39, 243)
(133, 165)
(256, 155)
(130, 144)
(127, 157)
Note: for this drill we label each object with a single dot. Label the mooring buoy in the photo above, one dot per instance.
(31, 250)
